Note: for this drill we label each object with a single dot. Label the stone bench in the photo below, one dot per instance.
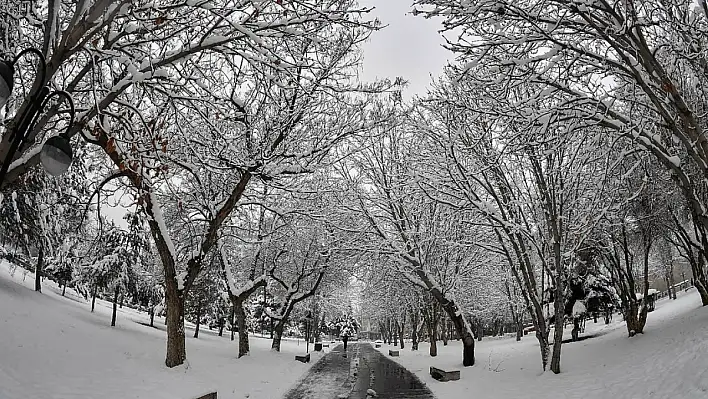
(443, 376)
(392, 353)
(303, 358)
(208, 396)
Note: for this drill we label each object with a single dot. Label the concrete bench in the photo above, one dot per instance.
(392, 353)
(325, 345)
(443, 376)
(303, 358)
(208, 396)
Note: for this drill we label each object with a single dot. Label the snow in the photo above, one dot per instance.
(675, 160)
(160, 220)
(668, 361)
(54, 347)
(579, 309)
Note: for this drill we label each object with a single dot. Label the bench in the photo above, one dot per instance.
(392, 353)
(303, 358)
(377, 345)
(443, 376)
(208, 396)
(325, 345)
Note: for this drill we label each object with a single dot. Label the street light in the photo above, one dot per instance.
(56, 155)
(307, 330)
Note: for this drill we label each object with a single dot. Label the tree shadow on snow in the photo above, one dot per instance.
(583, 337)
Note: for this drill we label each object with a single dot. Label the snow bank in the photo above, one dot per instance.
(668, 361)
(53, 347)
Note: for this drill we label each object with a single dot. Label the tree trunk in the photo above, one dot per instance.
(233, 322)
(277, 335)
(115, 307)
(519, 331)
(443, 332)
(559, 303)
(432, 335)
(400, 334)
(243, 344)
(38, 270)
(221, 326)
(395, 333)
(176, 351)
(199, 320)
(414, 338)
(152, 316)
(63, 289)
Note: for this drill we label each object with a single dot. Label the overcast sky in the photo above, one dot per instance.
(409, 46)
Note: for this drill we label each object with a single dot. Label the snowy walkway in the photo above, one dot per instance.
(364, 369)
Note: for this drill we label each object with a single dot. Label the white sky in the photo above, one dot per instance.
(409, 46)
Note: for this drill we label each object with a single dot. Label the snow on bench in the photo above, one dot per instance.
(444, 376)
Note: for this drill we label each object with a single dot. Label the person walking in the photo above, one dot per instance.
(345, 337)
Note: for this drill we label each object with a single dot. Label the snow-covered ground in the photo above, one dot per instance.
(669, 361)
(54, 347)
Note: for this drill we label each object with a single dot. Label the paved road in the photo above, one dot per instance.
(327, 379)
(364, 368)
(389, 379)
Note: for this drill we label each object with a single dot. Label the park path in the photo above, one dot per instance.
(353, 377)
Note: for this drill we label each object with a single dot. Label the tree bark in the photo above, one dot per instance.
(176, 352)
(152, 316)
(63, 289)
(443, 330)
(559, 307)
(38, 270)
(400, 336)
(519, 331)
(243, 343)
(415, 320)
(395, 332)
(432, 335)
(115, 307)
(233, 322)
(277, 335)
(199, 320)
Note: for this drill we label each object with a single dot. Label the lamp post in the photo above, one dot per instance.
(56, 155)
(307, 330)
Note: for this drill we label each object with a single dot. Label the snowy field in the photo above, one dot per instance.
(54, 347)
(669, 361)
